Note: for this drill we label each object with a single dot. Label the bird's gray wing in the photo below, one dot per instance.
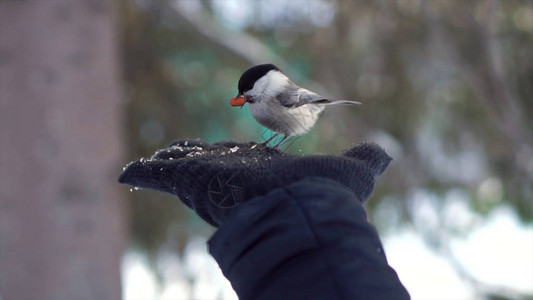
(288, 97)
(295, 96)
(307, 97)
(304, 96)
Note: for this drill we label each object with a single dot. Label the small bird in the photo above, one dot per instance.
(279, 104)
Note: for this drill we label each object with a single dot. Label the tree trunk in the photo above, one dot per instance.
(62, 228)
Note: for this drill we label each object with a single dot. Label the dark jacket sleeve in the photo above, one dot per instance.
(309, 240)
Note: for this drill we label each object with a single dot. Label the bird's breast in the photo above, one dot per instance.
(283, 120)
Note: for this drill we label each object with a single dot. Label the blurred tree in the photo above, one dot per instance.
(62, 219)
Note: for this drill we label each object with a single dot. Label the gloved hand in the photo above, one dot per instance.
(212, 178)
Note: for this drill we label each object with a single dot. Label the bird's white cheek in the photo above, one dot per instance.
(269, 85)
(259, 88)
(276, 82)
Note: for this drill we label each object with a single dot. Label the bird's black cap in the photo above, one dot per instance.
(250, 76)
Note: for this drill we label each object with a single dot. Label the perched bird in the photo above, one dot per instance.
(279, 104)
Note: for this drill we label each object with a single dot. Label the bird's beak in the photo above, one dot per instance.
(240, 95)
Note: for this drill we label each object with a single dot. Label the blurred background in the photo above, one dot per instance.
(87, 86)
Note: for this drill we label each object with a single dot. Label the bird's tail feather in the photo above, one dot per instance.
(349, 102)
(330, 102)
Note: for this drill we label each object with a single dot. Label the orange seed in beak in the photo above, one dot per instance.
(237, 101)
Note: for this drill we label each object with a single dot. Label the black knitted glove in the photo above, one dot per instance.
(212, 178)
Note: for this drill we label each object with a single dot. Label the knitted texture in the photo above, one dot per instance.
(213, 178)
